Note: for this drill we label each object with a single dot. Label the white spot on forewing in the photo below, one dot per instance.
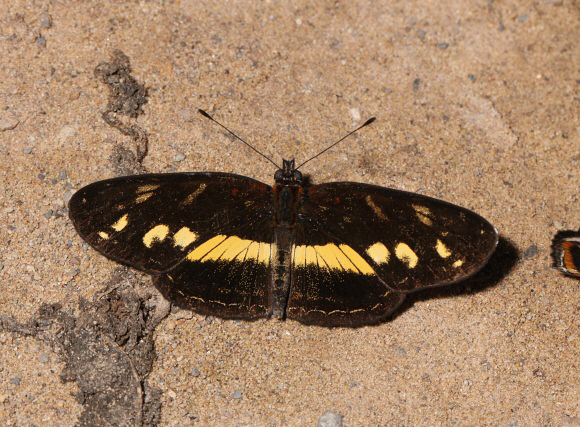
(121, 223)
(376, 209)
(142, 197)
(147, 188)
(184, 237)
(457, 263)
(196, 193)
(404, 253)
(156, 234)
(379, 253)
(423, 214)
(103, 235)
(144, 192)
(442, 250)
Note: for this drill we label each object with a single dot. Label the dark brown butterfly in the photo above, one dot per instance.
(333, 254)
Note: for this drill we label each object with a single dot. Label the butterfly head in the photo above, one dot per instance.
(288, 173)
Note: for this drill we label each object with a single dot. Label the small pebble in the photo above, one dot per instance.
(443, 45)
(179, 158)
(570, 421)
(67, 196)
(27, 150)
(15, 381)
(401, 351)
(195, 372)
(355, 114)
(48, 214)
(416, 83)
(237, 394)
(62, 174)
(46, 20)
(8, 120)
(43, 358)
(531, 251)
(330, 419)
(41, 176)
(472, 77)
(41, 42)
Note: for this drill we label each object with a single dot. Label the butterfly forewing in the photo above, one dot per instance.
(409, 240)
(152, 222)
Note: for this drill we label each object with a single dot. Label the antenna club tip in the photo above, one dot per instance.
(369, 121)
(203, 113)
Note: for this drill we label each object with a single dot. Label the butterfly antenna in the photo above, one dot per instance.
(368, 122)
(206, 115)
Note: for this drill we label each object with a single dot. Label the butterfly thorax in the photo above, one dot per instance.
(287, 193)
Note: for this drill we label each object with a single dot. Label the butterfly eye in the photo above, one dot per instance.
(298, 176)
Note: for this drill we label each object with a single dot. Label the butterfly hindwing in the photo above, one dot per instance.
(225, 276)
(334, 286)
(409, 240)
(152, 222)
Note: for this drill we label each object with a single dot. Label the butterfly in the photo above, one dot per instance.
(566, 252)
(332, 254)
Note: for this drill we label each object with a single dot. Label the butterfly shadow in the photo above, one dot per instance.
(499, 266)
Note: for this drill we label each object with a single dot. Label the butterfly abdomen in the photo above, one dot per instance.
(287, 197)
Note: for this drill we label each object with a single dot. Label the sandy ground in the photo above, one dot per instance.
(477, 103)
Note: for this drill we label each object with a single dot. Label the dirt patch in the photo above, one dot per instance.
(108, 350)
(126, 97)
